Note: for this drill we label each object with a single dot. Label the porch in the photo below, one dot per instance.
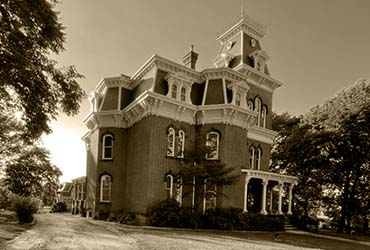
(265, 192)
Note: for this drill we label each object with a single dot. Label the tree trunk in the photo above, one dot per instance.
(344, 204)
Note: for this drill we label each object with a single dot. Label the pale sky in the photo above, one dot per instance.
(316, 47)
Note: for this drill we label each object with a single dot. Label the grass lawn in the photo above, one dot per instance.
(9, 226)
(301, 240)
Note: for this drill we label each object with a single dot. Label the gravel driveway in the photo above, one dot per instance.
(63, 231)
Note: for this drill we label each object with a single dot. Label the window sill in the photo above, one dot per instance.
(106, 159)
(105, 202)
(174, 157)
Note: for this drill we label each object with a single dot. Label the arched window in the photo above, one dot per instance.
(263, 116)
(107, 153)
(174, 91)
(210, 196)
(250, 105)
(105, 188)
(180, 144)
(183, 94)
(212, 145)
(251, 158)
(169, 186)
(257, 108)
(258, 153)
(171, 142)
(237, 99)
(178, 190)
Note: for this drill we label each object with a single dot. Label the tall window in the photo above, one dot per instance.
(107, 147)
(263, 116)
(171, 142)
(257, 108)
(237, 99)
(105, 188)
(169, 186)
(180, 144)
(212, 144)
(210, 196)
(183, 94)
(178, 190)
(251, 158)
(258, 158)
(174, 91)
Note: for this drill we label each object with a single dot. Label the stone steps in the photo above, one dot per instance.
(288, 225)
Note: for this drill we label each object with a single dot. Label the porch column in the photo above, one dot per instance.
(271, 197)
(246, 194)
(281, 184)
(290, 198)
(264, 191)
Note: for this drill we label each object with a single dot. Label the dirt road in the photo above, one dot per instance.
(63, 231)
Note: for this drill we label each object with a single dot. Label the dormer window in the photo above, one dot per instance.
(179, 86)
(183, 94)
(174, 91)
(237, 99)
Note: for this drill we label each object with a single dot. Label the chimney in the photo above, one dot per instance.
(190, 58)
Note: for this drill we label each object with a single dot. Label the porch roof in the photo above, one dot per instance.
(269, 176)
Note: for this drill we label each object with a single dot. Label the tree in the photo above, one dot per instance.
(301, 152)
(329, 151)
(31, 172)
(197, 170)
(347, 116)
(29, 80)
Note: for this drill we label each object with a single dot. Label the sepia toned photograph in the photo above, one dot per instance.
(184, 124)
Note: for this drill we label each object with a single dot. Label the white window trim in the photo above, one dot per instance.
(218, 145)
(171, 131)
(174, 87)
(251, 155)
(171, 185)
(263, 115)
(101, 189)
(183, 88)
(181, 155)
(104, 147)
(257, 107)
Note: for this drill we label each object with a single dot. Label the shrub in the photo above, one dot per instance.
(168, 213)
(59, 207)
(306, 223)
(25, 207)
(164, 214)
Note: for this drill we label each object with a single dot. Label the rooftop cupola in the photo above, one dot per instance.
(239, 44)
(190, 59)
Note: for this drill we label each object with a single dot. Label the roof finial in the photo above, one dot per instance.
(191, 47)
(241, 11)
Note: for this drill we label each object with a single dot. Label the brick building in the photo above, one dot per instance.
(141, 125)
(64, 194)
(78, 195)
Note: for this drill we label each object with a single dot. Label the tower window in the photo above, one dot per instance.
(107, 153)
(183, 94)
(171, 142)
(210, 196)
(105, 188)
(212, 145)
(180, 144)
(174, 91)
